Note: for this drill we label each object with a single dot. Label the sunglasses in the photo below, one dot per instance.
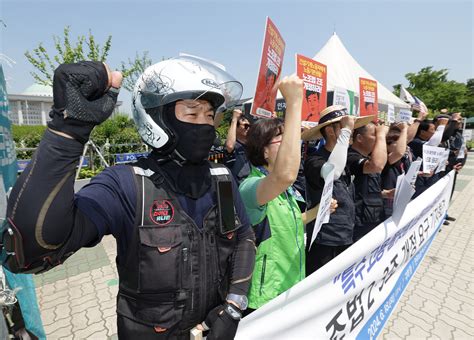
(245, 126)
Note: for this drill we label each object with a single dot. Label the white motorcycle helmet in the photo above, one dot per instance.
(183, 77)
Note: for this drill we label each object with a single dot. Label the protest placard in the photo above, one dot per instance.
(368, 101)
(269, 72)
(432, 155)
(390, 113)
(314, 76)
(404, 115)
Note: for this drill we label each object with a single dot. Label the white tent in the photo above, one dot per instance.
(344, 71)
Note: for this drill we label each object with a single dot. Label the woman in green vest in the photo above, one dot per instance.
(274, 150)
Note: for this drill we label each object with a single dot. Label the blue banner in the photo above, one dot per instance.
(121, 158)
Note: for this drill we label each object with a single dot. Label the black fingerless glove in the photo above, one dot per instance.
(81, 99)
(222, 322)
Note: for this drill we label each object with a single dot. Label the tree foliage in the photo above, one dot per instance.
(133, 69)
(437, 92)
(85, 48)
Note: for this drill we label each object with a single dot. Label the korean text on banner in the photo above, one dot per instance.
(269, 72)
(314, 76)
(404, 115)
(432, 157)
(354, 295)
(368, 100)
(325, 203)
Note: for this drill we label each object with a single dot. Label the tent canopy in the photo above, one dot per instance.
(344, 71)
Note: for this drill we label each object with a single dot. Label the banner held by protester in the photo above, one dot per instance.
(354, 295)
(314, 76)
(325, 203)
(269, 72)
(368, 101)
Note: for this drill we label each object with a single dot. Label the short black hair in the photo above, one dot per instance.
(259, 136)
(359, 131)
(309, 93)
(424, 126)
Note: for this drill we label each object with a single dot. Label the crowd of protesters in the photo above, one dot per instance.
(225, 244)
(367, 155)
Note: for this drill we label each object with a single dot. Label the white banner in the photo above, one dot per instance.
(325, 203)
(442, 161)
(404, 190)
(404, 115)
(390, 113)
(353, 295)
(432, 157)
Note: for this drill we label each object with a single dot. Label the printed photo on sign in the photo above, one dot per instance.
(269, 72)
(368, 101)
(314, 76)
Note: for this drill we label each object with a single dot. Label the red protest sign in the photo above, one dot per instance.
(270, 68)
(314, 76)
(368, 103)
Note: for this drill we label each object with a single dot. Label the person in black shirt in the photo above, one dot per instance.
(399, 158)
(366, 159)
(335, 236)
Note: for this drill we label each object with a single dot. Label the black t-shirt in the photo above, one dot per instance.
(339, 230)
(368, 191)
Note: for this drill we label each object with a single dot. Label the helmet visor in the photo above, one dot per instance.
(202, 78)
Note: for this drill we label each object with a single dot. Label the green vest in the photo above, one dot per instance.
(280, 259)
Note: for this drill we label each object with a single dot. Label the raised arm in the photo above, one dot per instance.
(232, 133)
(378, 157)
(42, 216)
(288, 158)
(401, 145)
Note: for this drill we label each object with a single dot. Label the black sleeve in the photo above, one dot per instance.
(244, 252)
(355, 163)
(449, 130)
(312, 171)
(416, 146)
(41, 207)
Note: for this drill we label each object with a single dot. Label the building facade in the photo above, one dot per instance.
(33, 105)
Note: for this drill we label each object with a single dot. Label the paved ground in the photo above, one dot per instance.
(439, 302)
(77, 300)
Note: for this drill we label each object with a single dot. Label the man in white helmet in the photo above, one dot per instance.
(185, 249)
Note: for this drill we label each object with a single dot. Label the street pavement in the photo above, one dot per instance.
(77, 299)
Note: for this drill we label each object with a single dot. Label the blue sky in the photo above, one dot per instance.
(388, 38)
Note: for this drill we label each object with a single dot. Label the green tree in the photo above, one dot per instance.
(133, 69)
(66, 52)
(436, 91)
(85, 48)
(469, 105)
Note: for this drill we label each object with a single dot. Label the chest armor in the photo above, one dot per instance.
(174, 271)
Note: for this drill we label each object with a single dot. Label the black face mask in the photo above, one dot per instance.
(194, 140)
